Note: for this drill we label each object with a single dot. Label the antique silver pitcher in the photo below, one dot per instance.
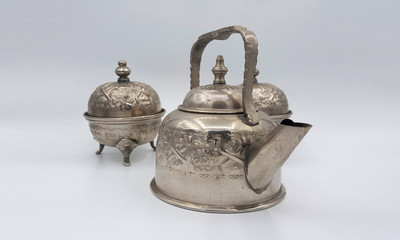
(216, 152)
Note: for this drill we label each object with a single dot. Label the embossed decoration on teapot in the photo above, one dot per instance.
(199, 157)
(200, 144)
(213, 150)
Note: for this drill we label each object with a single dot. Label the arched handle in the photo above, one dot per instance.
(251, 52)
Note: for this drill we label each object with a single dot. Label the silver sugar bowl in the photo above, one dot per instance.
(216, 152)
(124, 114)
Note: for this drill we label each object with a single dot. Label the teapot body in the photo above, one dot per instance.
(200, 162)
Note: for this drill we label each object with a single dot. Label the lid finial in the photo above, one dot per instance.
(219, 70)
(122, 71)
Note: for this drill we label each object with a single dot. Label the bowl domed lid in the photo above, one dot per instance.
(269, 98)
(214, 98)
(123, 98)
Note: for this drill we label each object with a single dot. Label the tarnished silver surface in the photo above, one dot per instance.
(266, 157)
(125, 133)
(214, 98)
(251, 50)
(123, 98)
(271, 100)
(277, 198)
(124, 114)
(199, 156)
(207, 152)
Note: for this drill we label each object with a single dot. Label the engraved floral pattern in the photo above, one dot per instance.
(270, 99)
(111, 134)
(127, 96)
(208, 154)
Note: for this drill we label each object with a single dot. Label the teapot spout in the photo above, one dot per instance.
(266, 157)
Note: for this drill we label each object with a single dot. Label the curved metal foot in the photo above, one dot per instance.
(127, 162)
(152, 145)
(100, 149)
(126, 146)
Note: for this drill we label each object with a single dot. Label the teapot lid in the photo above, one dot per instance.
(123, 98)
(214, 98)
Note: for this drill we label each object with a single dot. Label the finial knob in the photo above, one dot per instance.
(122, 71)
(219, 70)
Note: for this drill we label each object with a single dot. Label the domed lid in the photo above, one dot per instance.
(269, 98)
(123, 98)
(214, 98)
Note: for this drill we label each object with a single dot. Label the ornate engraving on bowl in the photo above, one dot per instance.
(110, 135)
(124, 99)
(270, 99)
(124, 114)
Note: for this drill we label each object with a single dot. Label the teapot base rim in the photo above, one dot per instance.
(279, 196)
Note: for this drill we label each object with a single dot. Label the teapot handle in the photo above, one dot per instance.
(251, 52)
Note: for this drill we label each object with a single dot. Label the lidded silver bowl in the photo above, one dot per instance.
(124, 114)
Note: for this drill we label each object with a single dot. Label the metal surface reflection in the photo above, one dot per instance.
(216, 153)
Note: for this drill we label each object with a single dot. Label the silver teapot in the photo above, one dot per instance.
(216, 152)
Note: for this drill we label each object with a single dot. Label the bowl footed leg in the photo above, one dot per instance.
(126, 146)
(152, 145)
(100, 149)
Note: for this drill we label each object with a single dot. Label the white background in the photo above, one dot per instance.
(337, 61)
